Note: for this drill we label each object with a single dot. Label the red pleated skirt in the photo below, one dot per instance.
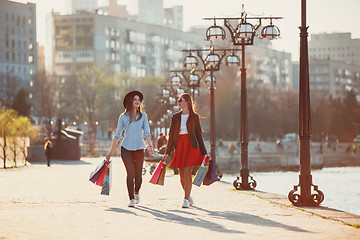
(185, 154)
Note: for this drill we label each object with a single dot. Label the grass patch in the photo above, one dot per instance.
(356, 225)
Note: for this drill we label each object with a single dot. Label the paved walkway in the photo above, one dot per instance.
(59, 202)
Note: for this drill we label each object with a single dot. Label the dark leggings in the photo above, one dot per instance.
(133, 161)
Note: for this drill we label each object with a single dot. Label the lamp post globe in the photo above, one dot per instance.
(191, 62)
(175, 80)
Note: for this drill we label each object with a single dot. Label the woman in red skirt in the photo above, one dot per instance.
(186, 137)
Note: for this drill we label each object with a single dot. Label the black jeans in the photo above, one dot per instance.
(133, 161)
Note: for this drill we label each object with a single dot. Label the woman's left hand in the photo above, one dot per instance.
(151, 151)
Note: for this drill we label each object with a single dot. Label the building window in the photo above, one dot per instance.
(12, 43)
(30, 95)
(7, 55)
(30, 20)
(31, 83)
(31, 71)
(31, 46)
(31, 59)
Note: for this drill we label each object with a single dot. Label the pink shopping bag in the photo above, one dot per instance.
(156, 175)
(100, 180)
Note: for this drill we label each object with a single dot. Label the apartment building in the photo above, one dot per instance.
(142, 49)
(268, 66)
(334, 78)
(335, 46)
(74, 6)
(18, 50)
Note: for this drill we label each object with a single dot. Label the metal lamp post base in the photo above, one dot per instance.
(244, 183)
(306, 198)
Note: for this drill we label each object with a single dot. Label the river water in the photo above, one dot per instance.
(341, 185)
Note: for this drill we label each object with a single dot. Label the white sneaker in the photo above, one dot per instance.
(137, 198)
(186, 204)
(132, 203)
(191, 201)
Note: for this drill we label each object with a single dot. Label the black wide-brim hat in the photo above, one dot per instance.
(130, 95)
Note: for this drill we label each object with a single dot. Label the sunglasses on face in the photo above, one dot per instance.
(179, 100)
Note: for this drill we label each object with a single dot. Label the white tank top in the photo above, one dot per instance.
(183, 129)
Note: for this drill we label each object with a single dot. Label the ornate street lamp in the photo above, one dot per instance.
(211, 62)
(305, 198)
(243, 35)
(192, 80)
(233, 60)
(168, 97)
(209, 80)
(175, 80)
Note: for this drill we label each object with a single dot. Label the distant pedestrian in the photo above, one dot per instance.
(162, 141)
(321, 148)
(48, 151)
(258, 148)
(135, 125)
(348, 149)
(231, 149)
(221, 142)
(186, 137)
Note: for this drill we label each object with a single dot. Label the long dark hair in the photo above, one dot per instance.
(129, 106)
(187, 97)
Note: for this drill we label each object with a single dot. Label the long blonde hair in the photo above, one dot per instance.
(47, 143)
(187, 97)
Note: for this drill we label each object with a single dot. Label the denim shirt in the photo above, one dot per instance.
(134, 132)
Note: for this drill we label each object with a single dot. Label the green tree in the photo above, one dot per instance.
(20, 103)
(7, 117)
(26, 134)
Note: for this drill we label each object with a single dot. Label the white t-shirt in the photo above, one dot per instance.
(183, 129)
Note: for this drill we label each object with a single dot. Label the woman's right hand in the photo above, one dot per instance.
(164, 158)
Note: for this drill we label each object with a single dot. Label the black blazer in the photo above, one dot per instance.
(194, 131)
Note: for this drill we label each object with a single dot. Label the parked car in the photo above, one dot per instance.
(357, 139)
(290, 137)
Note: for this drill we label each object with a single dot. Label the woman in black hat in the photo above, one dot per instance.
(135, 125)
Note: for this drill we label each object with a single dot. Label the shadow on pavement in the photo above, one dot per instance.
(197, 222)
(249, 219)
(62, 162)
(120, 210)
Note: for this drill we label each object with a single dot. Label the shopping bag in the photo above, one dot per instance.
(210, 175)
(200, 175)
(94, 176)
(156, 175)
(162, 176)
(105, 189)
(100, 180)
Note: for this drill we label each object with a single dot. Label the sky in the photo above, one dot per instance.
(322, 16)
